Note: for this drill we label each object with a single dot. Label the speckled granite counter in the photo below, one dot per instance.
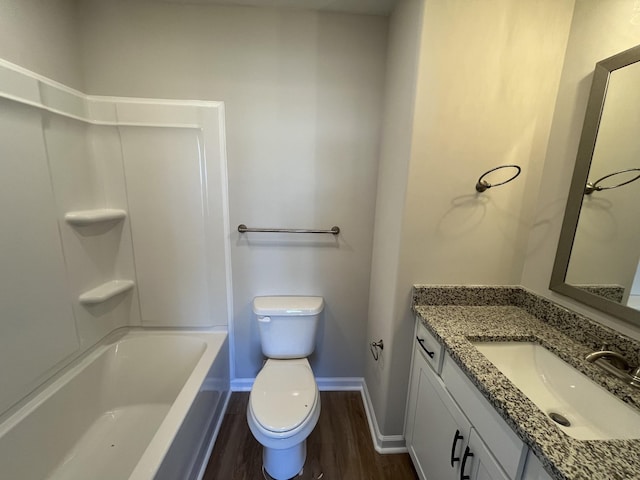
(458, 315)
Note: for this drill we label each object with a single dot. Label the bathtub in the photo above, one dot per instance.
(141, 405)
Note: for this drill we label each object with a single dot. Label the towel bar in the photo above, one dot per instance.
(242, 228)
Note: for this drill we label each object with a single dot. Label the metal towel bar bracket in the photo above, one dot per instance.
(242, 228)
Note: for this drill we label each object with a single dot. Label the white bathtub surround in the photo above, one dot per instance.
(116, 213)
(118, 411)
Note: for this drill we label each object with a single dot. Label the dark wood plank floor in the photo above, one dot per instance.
(339, 448)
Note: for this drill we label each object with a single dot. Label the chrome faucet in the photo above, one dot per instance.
(615, 364)
(614, 358)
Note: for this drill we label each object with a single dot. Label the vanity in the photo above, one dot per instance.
(506, 384)
(467, 420)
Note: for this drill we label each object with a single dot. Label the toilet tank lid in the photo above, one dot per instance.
(287, 305)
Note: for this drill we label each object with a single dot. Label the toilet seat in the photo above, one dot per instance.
(283, 397)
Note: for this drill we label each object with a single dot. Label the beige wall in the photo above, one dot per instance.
(302, 93)
(481, 102)
(599, 29)
(42, 36)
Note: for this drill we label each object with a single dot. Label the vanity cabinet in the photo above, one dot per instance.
(534, 470)
(452, 438)
(439, 430)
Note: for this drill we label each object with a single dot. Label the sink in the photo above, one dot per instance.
(581, 408)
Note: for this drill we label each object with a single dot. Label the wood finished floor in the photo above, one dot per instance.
(339, 448)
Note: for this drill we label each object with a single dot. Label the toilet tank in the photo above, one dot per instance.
(287, 325)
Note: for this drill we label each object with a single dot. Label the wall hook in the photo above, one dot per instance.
(376, 348)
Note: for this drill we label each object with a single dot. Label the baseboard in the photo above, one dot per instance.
(242, 384)
(339, 384)
(384, 444)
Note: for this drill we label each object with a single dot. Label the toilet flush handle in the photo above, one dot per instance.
(264, 319)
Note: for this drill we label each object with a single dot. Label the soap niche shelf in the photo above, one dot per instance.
(97, 216)
(104, 292)
(82, 218)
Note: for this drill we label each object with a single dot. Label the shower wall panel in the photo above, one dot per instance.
(37, 328)
(86, 172)
(166, 172)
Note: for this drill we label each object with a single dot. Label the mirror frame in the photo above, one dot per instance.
(586, 147)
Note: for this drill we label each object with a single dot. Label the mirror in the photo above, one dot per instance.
(598, 255)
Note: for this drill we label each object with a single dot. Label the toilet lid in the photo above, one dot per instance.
(283, 395)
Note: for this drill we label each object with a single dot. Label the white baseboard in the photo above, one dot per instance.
(339, 384)
(384, 444)
(328, 384)
(242, 384)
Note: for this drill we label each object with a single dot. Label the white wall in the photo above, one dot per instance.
(405, 27)
(42, 36)
(302, 93)
(481, 102)
(599, 29)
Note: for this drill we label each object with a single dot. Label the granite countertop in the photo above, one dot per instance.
(516, 314)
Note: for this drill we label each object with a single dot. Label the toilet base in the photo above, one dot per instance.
(285, 463)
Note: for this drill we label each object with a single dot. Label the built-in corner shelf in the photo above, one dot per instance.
(90, 217)
(104, 292)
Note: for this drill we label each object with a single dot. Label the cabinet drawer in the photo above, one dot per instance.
(504, 444)
(429, 347)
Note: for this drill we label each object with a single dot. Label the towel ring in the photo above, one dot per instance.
(483, 185)
(593, 187)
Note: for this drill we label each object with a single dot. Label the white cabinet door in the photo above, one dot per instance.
(534, 470)
(504, 444)
(439, 430)
(478, 463)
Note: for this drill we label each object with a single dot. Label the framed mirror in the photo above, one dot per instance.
(598, 256)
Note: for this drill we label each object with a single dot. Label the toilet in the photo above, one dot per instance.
(284, 404)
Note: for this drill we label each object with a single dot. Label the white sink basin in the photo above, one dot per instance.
(557, 388)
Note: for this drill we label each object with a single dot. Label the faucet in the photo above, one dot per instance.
(614, 358)
(615, 364)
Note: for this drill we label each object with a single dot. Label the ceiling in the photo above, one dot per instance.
(367, 7)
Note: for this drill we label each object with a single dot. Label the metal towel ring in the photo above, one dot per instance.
(483, 185)
(592, 187)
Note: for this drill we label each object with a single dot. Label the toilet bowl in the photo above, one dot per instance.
(284, 404)
(283, 410)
